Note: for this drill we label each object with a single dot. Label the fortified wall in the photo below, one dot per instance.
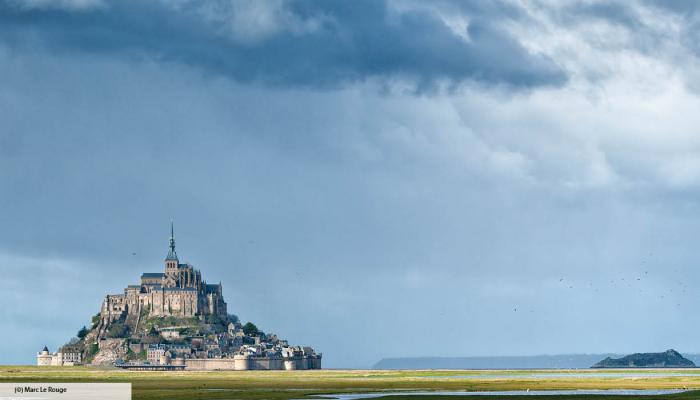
(250, 363)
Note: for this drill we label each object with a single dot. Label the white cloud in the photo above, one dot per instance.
(73, 5)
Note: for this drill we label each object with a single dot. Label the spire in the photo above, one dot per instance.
(172, 237)
(172, 255)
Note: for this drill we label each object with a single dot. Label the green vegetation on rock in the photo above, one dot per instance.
(250, 329)
(117, 330)
(83, 332)
(667, 359)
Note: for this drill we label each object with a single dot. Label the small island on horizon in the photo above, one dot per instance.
(668, 359)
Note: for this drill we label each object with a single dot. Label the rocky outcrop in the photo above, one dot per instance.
(109, 351)
(667, 359)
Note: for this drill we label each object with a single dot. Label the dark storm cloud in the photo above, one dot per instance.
(684, 7)
(343, 42)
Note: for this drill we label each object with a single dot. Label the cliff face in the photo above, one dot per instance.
(667, 359)
(106, 343)
(110, 351)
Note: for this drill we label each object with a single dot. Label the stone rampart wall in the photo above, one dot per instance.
(244, 363)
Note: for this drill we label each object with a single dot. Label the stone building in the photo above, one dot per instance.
(61, 357)
(154, 353)
(178, 291)
(44, 357)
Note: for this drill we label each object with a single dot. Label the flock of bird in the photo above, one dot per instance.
(634, 282)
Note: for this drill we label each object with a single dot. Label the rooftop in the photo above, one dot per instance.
(177, 289)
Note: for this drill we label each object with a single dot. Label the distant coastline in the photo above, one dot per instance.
(555, 361)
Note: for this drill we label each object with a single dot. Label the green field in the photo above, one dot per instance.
(301, 384)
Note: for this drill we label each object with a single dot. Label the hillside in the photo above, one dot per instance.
(101, 344)
(667, 359)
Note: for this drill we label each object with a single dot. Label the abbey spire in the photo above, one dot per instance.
(171, 261)
(172, 255)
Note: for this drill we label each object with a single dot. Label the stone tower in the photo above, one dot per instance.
(44, 357)
(171, 261)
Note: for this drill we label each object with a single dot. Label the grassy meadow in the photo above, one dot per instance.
(284, 385)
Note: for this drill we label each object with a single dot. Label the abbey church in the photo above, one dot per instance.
(178, 291)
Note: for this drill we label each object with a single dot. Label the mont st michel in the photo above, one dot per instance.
(444, 198)
(175, 320)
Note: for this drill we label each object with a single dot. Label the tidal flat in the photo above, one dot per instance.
(286, 385)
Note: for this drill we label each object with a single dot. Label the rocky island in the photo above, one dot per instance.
(668, 359)
(174, 320)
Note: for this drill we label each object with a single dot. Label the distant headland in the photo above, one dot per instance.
(175, 320)
(550, 361)
(668, 359)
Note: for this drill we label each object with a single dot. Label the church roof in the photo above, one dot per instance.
(172, 255)
(177, 289)
(211, 288)
(152, 275)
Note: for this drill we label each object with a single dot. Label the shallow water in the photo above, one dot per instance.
(540, 375)
(619, 392)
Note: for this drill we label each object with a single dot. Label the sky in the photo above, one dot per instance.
(371, 178)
